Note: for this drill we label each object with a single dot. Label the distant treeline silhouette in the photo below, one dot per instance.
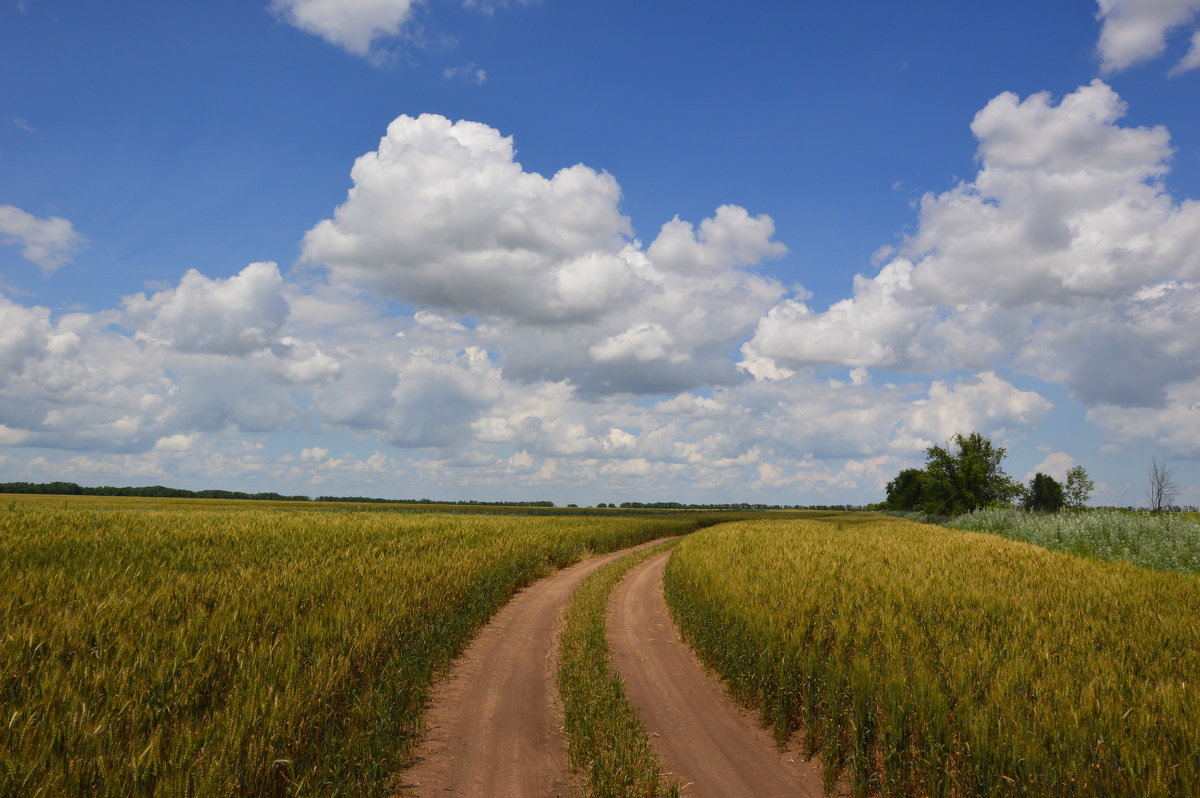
(150, 491)
(161, 492)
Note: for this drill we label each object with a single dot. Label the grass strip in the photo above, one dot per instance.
(606, 741)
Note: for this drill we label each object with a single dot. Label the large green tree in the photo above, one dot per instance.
(1045, 494)
(904, 492)
(964, 476)
(1079, 487)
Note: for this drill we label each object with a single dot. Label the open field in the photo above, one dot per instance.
(1167, 542)
(229, 648)
(925, 661)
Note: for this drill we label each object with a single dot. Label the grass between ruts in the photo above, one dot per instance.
(606, 741)
(239, 649)
(924, 661)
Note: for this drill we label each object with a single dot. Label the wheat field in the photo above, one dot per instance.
(181, 647)
(925, 661)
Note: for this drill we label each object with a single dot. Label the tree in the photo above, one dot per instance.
(1045, 494)
(904, 492)
(959, 482)
(1079, 487)
(1161, 488)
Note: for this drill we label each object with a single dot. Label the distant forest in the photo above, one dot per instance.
(161, 492)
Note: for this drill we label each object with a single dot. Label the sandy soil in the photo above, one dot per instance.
(493, 729)
(702, 739)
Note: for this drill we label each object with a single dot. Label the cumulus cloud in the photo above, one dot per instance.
(1136, 30)
(73, 383)
(49, 243)
(1056, 464)
(730, 238)
(982, 402)
(238, 315)
(177, 443)
(1064, 253)
(354, 25)
(1174, 427)
(495, 326)
(442, 216)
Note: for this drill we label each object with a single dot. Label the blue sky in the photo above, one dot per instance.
(792, 245)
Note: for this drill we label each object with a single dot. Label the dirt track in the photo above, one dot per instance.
(493, 730)
(702, 739)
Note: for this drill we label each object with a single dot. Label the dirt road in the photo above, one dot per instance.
(493, 730)
(706, 742)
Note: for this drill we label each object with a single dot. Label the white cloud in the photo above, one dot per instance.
(1067, 204)
(731, 238)
(1174, 427)
(49, 243)
(539, 345)
(643, 342)
(239, 315)
(314, 454)
(1192, 59)
(468, 72)
(175, 443)
(354, 25)
(1055, 465)
(878, 326)
(1064, 254)
(441, 216)
(1136, 30)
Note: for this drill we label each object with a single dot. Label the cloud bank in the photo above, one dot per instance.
(472, 323)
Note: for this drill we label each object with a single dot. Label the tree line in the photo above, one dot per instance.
(966, 474)
(161, 492)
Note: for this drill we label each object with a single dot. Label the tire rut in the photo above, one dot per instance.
(493, 729)
(714, 748)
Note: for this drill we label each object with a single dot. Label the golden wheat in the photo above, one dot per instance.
(187, 648)
(927, 661)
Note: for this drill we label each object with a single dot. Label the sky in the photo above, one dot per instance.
(597, 251)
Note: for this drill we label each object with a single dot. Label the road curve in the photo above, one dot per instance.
(702, 739)
(493, 729)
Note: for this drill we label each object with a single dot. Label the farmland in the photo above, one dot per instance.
(224, 648)
(221, 647)
(924, 661)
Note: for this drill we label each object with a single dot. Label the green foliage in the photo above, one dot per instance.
(1078, 489)
(1044, 495)
(925, 661)
(904, 492)
(1166, 542)
(226, 649)
(956, 482)
(606, 741)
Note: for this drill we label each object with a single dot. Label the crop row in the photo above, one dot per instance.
(925, 661)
